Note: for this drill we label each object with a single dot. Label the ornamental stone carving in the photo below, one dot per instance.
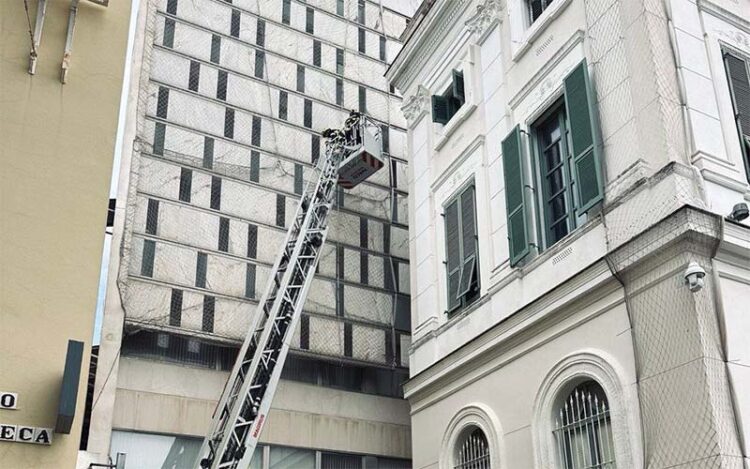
(415, 105)
(486, 16)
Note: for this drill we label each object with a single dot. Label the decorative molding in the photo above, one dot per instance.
(624, 408)
(487, 16)
(473, 415)
(416, 105)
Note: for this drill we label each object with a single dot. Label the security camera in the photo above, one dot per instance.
(739, 212)
(694, 275)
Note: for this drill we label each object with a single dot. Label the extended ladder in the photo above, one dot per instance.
(246, 400)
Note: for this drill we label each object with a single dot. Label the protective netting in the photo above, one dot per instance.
(233, 97)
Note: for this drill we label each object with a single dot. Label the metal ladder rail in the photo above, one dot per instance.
(256, 326)
(234, 447)
(238, 385)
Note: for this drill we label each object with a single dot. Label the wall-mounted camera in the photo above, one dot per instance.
(694, 275)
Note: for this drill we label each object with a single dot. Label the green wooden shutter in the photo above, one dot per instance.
(458, 86)
(739, 86)
(452, 254)
(440, 109)
(468, 243)
(515, 201)
(579, 104)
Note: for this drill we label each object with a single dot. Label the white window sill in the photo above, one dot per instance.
(533, 32)
(463, 113)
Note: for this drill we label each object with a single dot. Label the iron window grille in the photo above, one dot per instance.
(473, 452)
(583, 429)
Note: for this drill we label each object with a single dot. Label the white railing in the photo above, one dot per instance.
(474, 452)
(583, 431)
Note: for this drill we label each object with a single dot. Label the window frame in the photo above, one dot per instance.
(465, 299)
(744, 141)
(455, 96)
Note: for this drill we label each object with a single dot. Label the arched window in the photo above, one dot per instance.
(583, 430)
(472, 450)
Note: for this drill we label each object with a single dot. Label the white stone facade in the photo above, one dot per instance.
(227, 105)
(606, 303)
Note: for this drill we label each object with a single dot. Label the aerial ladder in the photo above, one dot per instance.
(351, 155)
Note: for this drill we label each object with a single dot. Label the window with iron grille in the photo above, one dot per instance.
(536, 8)
(472, 451)
(583, 429)
(152, 216)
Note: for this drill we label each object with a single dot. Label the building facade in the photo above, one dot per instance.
(579, 240)
(227, 105)
(58, 128)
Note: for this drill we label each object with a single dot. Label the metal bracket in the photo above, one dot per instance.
(41, 12)
(69, 41)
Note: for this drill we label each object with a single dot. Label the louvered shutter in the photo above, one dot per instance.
(739, 86)
(468, 242)
(458, 86)
(515, 201)
(440, 109)
(579, 103)
(452, 253)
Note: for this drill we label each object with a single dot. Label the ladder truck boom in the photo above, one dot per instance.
(352, 154)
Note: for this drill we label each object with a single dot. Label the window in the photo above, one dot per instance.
(208, 152)
(300, 78)
(348, 349)
(567, 169)
(257, 128)
(280, 210)
(200, 270)
(254, 166)
(221, 85)
(462, 266)
(339, 91)
(362, 100)
(175, 308)
(194, 75)
(361, 11)
(147, 261)
(260, 59)
(472, 451)
(172, 7)
(340, 7)
(314, 148)
(252, 240)
(209, 306)
(168, 39)
(298, 179)
(385, 139)
(229, 123)
(234, 28)
(304, 332)
(162, 102)
(446, 105)
(250, 281)
(286, 6)
(583, 429)
(339, 61)
(310, 20)
(382, 48)
(308, 114)
(152, 216)
(215, 193)
(260, 33)
(215, 48)
(362, 41)
(223, 234)
(738, 73)
(316, 53)
(186, 183)
(536, 8)
(160, 131)
(283, 103)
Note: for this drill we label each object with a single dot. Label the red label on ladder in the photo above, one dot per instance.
(261, 418)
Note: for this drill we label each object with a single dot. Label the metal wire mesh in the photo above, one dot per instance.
(224, 146)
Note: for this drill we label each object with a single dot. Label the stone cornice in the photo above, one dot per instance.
(421, 46)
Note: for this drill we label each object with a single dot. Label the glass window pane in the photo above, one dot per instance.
(291, 458)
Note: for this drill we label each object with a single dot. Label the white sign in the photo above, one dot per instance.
(8, 400)
(23, 434)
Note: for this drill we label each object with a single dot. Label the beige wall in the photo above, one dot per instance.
(56, 153)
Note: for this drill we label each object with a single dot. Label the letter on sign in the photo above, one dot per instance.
(8, 400)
